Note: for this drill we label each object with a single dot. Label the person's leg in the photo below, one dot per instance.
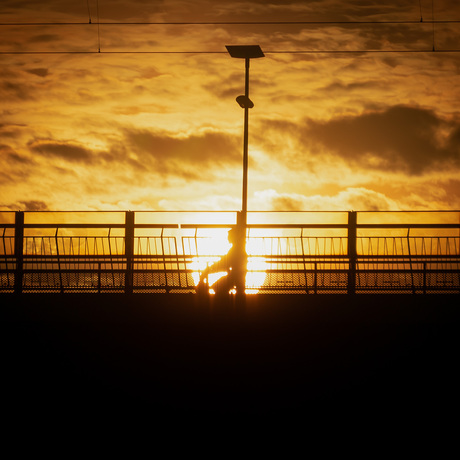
(223, 285)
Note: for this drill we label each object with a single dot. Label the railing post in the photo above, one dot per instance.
(99, 274)
(19, 251)
(129, 251)
(240, 244)
(315, 279)
(424, 277)
(352, 252)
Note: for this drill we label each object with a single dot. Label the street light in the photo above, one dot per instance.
(246, 52)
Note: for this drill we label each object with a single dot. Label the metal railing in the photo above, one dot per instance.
(311, 253)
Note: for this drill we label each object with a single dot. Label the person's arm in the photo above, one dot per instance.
(219, 266)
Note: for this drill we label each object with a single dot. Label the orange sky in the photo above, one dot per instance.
(102, 131)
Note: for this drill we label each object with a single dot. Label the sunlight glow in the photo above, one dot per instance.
(215, 245)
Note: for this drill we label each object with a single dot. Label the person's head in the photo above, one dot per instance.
(231, 236)
(235, 234)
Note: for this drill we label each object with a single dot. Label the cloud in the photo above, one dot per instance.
(11, 91)
(15, 167)
(352, 198)
(194, 157)
(64, 150)
(190, 156)
(400, 138)
(14, 157)
(407, 139)
(122, 128)
(338, 87)
(143, 154)
(209, 203)
(44, 38)
(40, 72)
(11, 130)
(33, 205)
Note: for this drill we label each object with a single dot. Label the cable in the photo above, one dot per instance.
(98, 28)
(432, 16)
(231, 23)
(225, 52)
(89, 12)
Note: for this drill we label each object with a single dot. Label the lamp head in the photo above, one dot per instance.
(245, 51)
(245, 102)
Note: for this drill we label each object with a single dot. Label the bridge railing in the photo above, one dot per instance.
(311, 253)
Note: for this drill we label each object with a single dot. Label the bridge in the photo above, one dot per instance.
(103, 304)
(288, 252)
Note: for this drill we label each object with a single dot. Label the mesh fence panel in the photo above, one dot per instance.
(291, 259)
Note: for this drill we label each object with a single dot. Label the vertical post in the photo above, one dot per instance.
(424, 277)
(19, 251)
(61, 285)
(352, 252)
(244, 206)
(315, 279)
(99, 274)
(240, 243)
(129, 251)
(242, 218)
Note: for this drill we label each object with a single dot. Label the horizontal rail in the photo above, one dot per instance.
(282, 257)
(249, 226)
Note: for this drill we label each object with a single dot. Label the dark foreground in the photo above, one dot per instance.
(175, 355)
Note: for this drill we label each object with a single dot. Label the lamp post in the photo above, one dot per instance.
(246, 52)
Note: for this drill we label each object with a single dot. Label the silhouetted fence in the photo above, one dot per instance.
(313, 253)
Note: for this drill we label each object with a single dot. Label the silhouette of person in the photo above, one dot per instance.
(234, 263)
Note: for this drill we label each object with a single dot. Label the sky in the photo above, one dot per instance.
(353, 112)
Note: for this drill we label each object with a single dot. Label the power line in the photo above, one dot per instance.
(98, 27)
(89, 11)
(211, 23)
(420, 51)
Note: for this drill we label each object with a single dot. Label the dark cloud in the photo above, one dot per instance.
(14, 166)
(40, 72)
(11, 130)
(404, 138)
(44, 38)
(12, 157)
(286, 203)
(33, 205)
(192, 157)
(11, 91)
(66, 151)
(400, 138)
(184, 156)
(228, 89)
(338, 87)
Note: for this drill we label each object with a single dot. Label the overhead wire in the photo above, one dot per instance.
(196, 23)
(419, 51)
(89, 12)
(98, 28)
(235, 23)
